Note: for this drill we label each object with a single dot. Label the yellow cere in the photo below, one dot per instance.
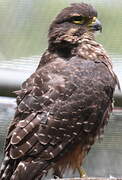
(92, 21)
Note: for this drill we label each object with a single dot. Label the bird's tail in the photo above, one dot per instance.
(25, 170)
(6, 168)
(30, 170)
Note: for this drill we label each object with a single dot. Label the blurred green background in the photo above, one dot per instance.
(24, 25)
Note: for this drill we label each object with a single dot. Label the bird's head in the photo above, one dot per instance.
(71, 23)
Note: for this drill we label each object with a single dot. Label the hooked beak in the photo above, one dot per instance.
(95, 25)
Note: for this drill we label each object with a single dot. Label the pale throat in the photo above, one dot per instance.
(88, 48)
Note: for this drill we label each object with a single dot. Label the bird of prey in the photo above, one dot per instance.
(63, 106)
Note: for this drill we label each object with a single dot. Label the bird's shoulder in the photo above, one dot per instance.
(59, 74)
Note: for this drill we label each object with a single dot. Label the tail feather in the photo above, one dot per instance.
(5, 168)
(32, 170)
(29, 169)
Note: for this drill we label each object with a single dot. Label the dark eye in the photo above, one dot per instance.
(78, 20)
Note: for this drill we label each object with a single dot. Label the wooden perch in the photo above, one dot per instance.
(91, 178)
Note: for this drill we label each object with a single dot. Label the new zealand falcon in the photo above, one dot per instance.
(63, 107)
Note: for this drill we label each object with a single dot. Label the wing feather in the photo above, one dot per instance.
(67, 105)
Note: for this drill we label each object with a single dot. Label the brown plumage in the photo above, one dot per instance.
(62, 107)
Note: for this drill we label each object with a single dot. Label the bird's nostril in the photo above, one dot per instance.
(97, 26)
